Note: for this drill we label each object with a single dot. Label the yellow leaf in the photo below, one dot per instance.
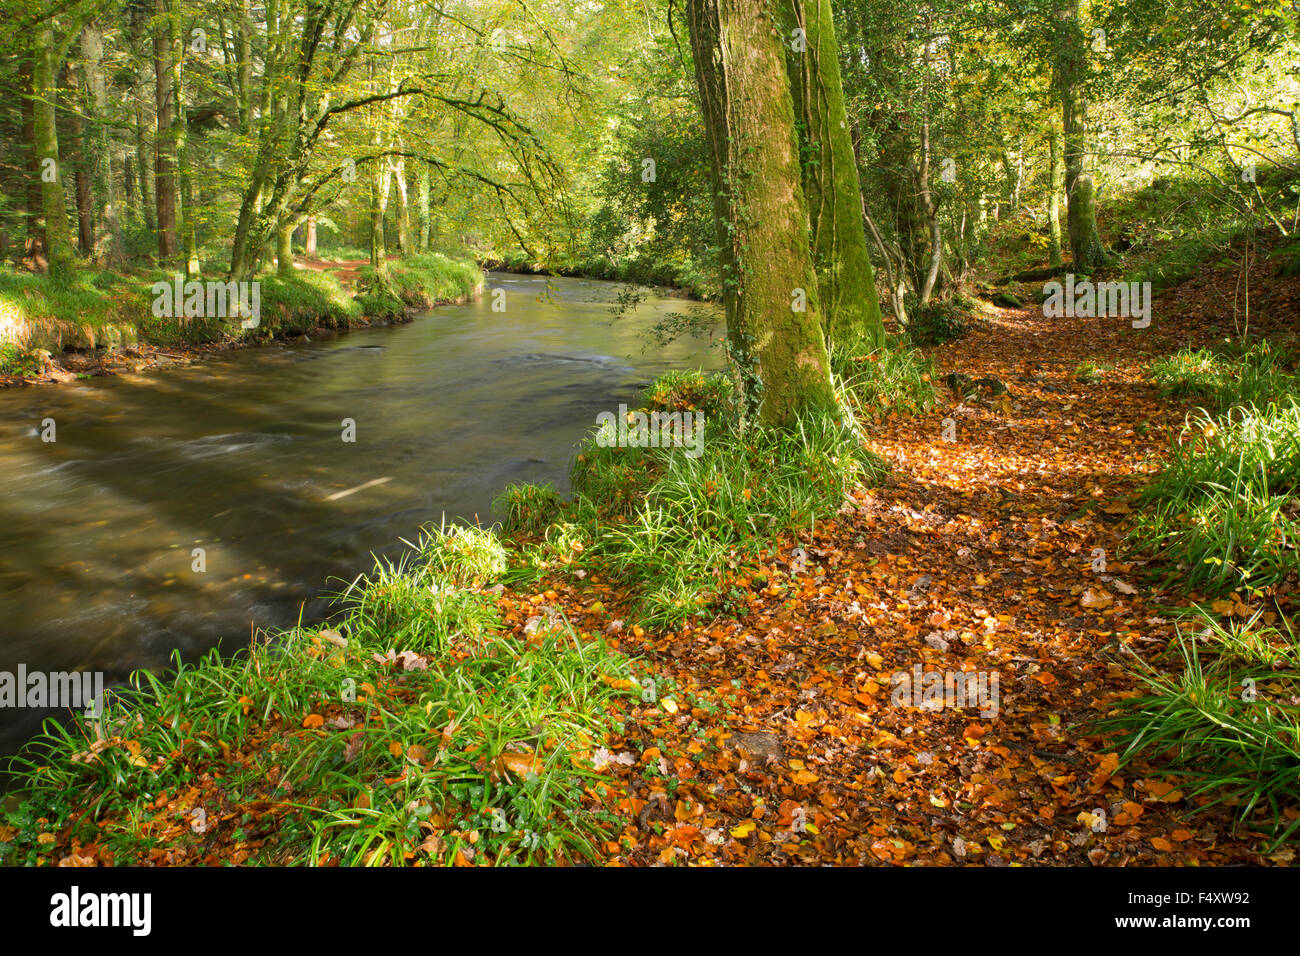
(744, 830)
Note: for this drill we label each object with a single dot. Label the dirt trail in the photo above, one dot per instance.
(976, 554)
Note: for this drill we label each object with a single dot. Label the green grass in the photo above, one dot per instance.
(1090, 373)
(91, 307)
(421, 282)
(1223, 518)
(413, 729)
(97, 308)
(1231, 374)
(1223, 720)
(665, 526)
(893, 378)
(1223, 512)
(304, 301)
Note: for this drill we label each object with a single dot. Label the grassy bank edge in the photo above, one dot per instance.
(103, 310)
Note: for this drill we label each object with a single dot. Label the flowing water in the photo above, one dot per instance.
(244, 457)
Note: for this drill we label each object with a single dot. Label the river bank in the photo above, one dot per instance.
(680, 281)
(104, 325)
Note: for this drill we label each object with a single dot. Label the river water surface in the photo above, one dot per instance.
(243, 456)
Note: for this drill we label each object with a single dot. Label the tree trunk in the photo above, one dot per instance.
(1069, 74)
(34, 247)
(403, 208)
(378, 257)
(165, 177)
(284, 249)
(143, 178)
(931, 211)
(769, 284)
(423, 222)
(107, 246)
(846, 284)
(58, 239)
(310, 241)
(185, 200)
(1055, 182)
(80, 165)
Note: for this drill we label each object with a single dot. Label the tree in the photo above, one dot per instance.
(769, 284)
(1070, 77)
(846, 283)
(58, 239)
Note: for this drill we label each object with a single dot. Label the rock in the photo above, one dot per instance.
(958, 382)
(993, 385)
(942, 640)
(937, 640)
(757, 746)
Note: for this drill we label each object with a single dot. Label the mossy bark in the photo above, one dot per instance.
(846, 282)
(166, 180)
(59, 251)
(284, 249)
(1055, 182)
(1069, 75)
(769, 284)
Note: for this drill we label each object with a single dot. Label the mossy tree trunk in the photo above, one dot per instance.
(284, 248)
(846, 283)
(60, 254)
(769, 283)
(166, 181)
(422, 220)
(1055, 182)
(1069, 75)
(378, 197)
(189, 247)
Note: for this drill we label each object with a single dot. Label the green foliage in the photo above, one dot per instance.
(941, 320)
(463, 555)
(666, 525)
(1231, 374)
(15, 360)
(439, 725)
(1288, 260)
(529, 508)
(691, 391)
(1089, 373)
(1224, 509)
(894, 378)
(1223, 720)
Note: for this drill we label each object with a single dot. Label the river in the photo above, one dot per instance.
(243, 456)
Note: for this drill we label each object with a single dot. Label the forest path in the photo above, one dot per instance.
(976, 554)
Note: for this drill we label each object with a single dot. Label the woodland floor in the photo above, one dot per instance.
(774, 739)
(990, 537)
